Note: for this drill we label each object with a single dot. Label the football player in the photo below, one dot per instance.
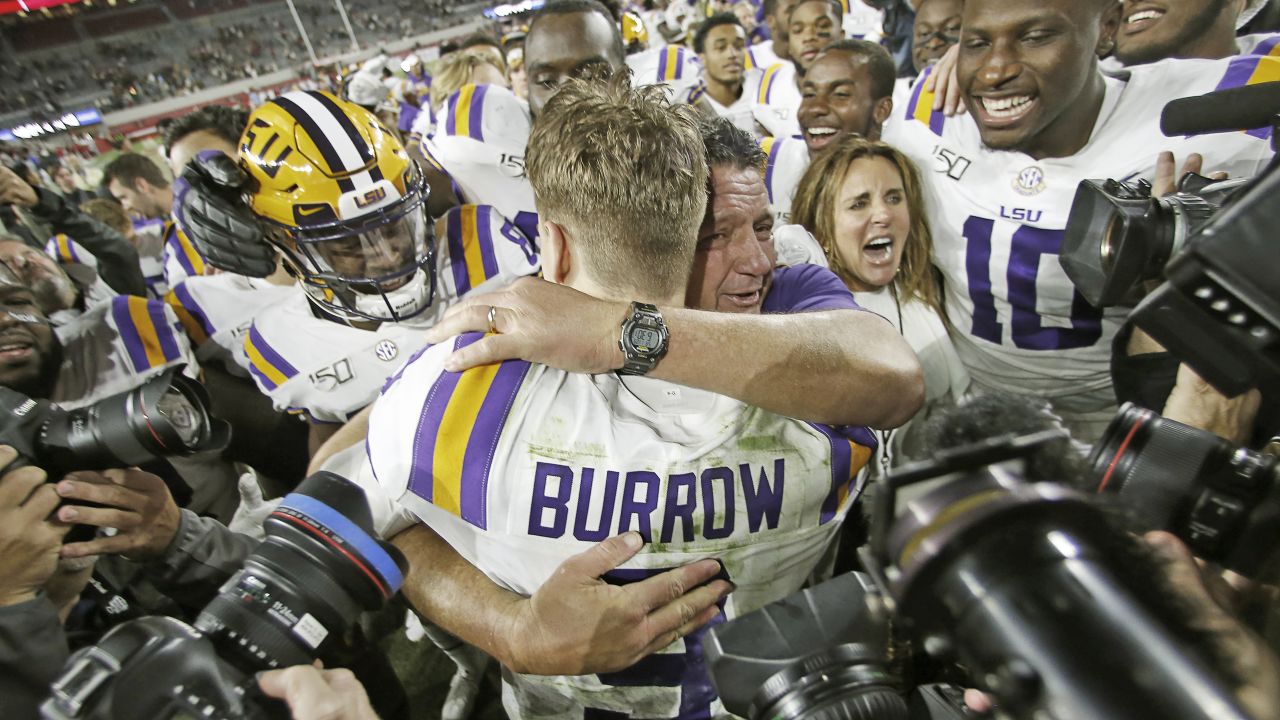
(1000, 182)
(1153, 31)
(730, 88)
(765, 54)
(848, 89)
(521, 466)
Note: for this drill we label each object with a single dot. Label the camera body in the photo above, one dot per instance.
(1021, 584)
(290, 604)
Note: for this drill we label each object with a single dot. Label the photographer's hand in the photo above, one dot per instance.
(1196, 403)
(317, 694)
(14, 190)
(138, 505)
(29, 537)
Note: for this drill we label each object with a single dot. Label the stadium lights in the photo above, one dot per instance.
(502, 11)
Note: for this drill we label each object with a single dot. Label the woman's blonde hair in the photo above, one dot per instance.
(819, 193)
(456, 70)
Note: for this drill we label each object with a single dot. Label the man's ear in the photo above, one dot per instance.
(882, 110)
(557, 256)
(1108, 26)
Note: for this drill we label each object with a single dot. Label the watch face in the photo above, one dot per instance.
(644, 339)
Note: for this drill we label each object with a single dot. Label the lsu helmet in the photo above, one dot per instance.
(344, 202)
(634, 33)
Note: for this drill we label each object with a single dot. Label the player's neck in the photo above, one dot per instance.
(782, 51)
(584, 283)
(724, 93)
(1070, 131)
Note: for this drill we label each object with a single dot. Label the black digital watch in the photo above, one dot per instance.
(644, 339)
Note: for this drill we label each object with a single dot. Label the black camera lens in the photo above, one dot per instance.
(164, 417)
(1191, 482)
(315, 572)
(848, 681)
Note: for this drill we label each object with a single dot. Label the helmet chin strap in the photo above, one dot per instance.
(405, 301)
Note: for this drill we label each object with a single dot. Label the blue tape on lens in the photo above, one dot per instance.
(351, 533)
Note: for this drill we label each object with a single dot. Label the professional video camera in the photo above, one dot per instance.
(1212, 242)
(295, 596)
(1222, 501)
(1024, 585)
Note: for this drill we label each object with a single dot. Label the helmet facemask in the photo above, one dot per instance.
(379, 266)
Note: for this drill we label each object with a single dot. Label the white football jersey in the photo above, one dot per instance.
(330, 370)
(217, 310)
(181, 259)
(780, 91)
(786, 160)
(673, 66)
(479, 142)
(81, 268)
(521, 466)
(742, 112)
(862, 21)
(115, 346)
(998, 219)
(761, 55)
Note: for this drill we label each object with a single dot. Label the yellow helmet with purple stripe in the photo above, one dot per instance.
(344, 201)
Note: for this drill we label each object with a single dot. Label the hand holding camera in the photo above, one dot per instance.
(14, 190)
(29, 537)
(137, 504)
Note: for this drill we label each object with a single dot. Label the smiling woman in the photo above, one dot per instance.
(863, 202)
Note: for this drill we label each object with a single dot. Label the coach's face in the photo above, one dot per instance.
(560, 47)
(733, 265)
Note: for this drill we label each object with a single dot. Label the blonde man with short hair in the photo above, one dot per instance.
(524, 469)
(468, 67)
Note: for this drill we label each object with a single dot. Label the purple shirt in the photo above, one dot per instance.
(804, 288)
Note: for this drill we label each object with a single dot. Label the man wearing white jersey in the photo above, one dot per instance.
(1042, 117)
(730, 88)
(848, 90)
(520, 466)
(1153, 31)
(774, 51)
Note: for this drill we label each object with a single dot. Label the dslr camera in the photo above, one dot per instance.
(291, 603)
(1023, 585)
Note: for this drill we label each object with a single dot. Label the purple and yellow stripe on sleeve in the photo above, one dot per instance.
(458, 433)
(770, 146)
(766, 84)
(191, 316)
(466, 116)
(181, 248)
(671, 63)
(920, 106)
(750, 61)
(1251, 70)
(844, 7)
(851, 449)
(265, 363)
(426, 153)
(1269, 47)
(143, 327)
(470, 247)
(63, 249)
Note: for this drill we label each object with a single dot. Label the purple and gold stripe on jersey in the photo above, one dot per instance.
(63, 249)
(1251, 70)
(470, 247)
(1270, 47)
(458, 434)
(920, 106)
(766, 84)
(466, 112)
(190, 315)
(750, 61)
(426, 153)
(270, 369)
(851, 449)
(179, 247)
(844, 7)
(149, 339)
(770, 146)
(671, 64)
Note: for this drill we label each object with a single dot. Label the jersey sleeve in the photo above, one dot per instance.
(433, 434)
(181, 259)
(69, 252)
(268, 367)
(807, 288)
(151, 335)
(191, 316)
(481, 250)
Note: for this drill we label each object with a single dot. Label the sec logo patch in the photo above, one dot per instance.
(386, 350)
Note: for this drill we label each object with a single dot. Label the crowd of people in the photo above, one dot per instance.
(617, 320)
(186, 56)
